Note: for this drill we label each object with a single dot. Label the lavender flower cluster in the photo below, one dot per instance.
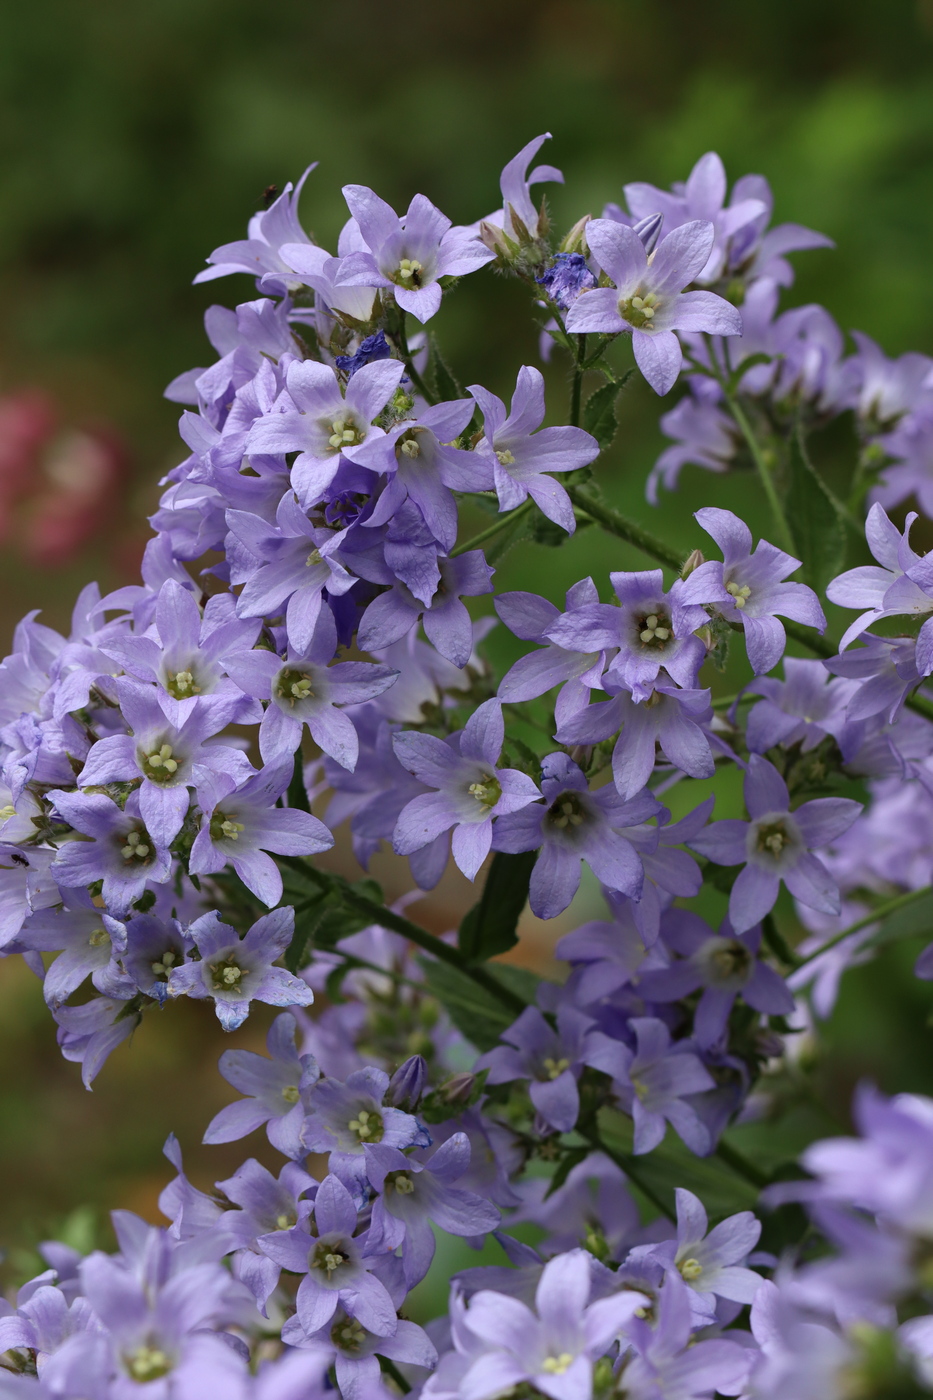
(157, 834)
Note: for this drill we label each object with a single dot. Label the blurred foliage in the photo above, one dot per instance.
(134, 138)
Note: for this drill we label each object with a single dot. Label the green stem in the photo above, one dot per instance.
(617, 524)
(741, 1165)
(401, 339)
(630, 1167)
(890, 906)
(387, 918)
(494, 529)
(782, 528)
(778, 943)
(577, 387)
(390, 1369)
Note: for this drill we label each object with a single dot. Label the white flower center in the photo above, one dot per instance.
(655, 630)
(690, 1269)
(639, 311)
(366, 1125)
(506, 458)
(555, 1068)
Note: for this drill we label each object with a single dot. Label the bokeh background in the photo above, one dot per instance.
(134, 138)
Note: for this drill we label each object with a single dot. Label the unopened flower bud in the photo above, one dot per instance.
(692, 561)
(459, 1088)
(575, 240)
(407, 1084)
(497, 241)
(649, 231)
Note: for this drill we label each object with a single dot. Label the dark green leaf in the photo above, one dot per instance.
(907, 922)
(445, 383)
(489, 928)
(476, 1014)
(599, 414)
(672, 1164)
(297, 792)
(570, 1159)
(546, 532)
(816, 523)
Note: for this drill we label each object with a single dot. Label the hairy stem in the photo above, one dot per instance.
(577, 387)
(390, 1369)
(782, 529)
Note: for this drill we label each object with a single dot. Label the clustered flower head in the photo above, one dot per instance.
(309, 631)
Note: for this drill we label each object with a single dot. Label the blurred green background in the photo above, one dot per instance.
(134, 138)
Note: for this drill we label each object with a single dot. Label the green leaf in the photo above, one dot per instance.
(570, 1159)
(473, 1011)
(599, 414)
(445, 382)
(490, 927)
(913, 919)
(815, 519)
(672, 1164)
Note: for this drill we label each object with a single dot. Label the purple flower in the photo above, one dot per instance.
(266, 1205)
(344, 1117)
(371, 348)
(886, 671)
(553, 1348)
(469, 789)
(322, 423)
(356, 1364)
(710, 1261)
(337, 1270)
(755, 584)
(121, 851)
(186, 659)
(152, 947)
(567, 276)
(702, 196)
(418, 1188)
(551, 1060)
(515, 184)
(668, 1361)
(408, 255)
(90, 943)
(304, 690)
(703, 436)
(520, 456)
(605, 954)
(442, 613)
(657, 1079)
(651, 628)
(234, 971)
(889, 388)
(423, 466)
(291, 564)
(669, 717)
(88, 1032)
(575, 825)
(167, 750)
(274, 1087)
(802, 709)
(239, 824)
(158, 1328)
(894, 588)
(724, 965)
(648, 299)
(593, 1207)
(528, 616)
(775, 845)
(258, 254)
